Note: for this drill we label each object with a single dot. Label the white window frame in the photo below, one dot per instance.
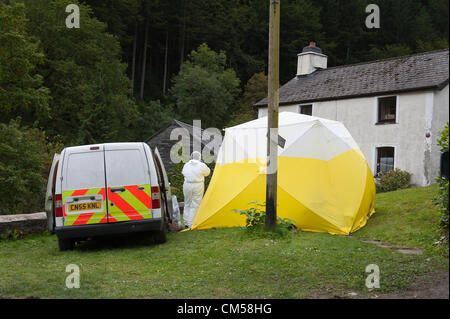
(375, 155)
(299, 108)
(397, 107)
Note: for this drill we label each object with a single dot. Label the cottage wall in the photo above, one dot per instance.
(417, 113)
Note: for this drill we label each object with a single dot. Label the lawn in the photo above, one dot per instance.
(227, 263)
(406, 217)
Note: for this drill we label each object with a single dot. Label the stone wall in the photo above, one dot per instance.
(23, 222)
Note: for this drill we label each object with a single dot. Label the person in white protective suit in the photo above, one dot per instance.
(194, 173)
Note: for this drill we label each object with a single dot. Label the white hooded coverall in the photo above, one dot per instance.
(194, 173)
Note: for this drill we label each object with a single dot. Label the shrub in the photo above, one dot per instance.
(176, 181)
(378, 188)
(441, 201)
(13, 235)
(393, 180)
(256, 219)
(442, 141)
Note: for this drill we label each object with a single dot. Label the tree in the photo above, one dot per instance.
(299, 24)
(22, 92)
(153, 117)
(389, 51)
(89, 87)
(255, 90)
(240, 29)
(122, 18)
(22, 159)
(204, 89)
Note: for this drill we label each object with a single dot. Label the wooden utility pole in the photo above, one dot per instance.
(272, 115)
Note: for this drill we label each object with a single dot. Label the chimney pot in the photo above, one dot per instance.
(312, 44)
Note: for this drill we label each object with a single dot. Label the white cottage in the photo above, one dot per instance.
(394, 108)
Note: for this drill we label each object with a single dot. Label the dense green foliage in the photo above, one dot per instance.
(240, 29)
(393, 180)
(442, 200)
(442, 203)
(152, 116)
(22, 158)
(176, 181)
(255, 90)
(204, 89)
(21, 87)
(82, 68)
(442, 141)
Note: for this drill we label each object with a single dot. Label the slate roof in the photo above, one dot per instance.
(161, 140)
(175, 122)
(421, 71)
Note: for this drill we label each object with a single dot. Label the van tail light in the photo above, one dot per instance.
(58, 205)
(156, 202)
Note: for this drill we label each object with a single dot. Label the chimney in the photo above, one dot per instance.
(310, 60)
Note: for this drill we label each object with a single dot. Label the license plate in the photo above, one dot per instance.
(85, 206)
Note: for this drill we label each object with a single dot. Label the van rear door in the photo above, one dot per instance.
(50, 194)
(165, 185)
(83, 186)
(128, 182)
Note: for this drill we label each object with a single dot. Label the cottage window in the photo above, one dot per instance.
(387, 109)
(385, 159)
(306, 109)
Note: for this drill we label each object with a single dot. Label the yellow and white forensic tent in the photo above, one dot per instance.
(324, 181)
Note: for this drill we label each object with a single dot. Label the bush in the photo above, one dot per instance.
(393, 180)
(441, 201)
(176, 181)
(13, 235)
(256, 220)
(24, 161)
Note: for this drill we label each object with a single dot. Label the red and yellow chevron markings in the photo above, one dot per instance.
(85, 218)
(133, 204)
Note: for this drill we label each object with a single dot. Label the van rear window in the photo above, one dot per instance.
(126, 167)
(85, 170)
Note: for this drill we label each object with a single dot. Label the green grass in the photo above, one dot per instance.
(226, 263)
(406, 217)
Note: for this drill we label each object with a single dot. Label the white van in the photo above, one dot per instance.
(107, 189)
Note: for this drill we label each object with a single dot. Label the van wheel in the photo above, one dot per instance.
(66, 244)
(160, 236)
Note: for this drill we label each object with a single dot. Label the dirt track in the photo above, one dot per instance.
(431, 286)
